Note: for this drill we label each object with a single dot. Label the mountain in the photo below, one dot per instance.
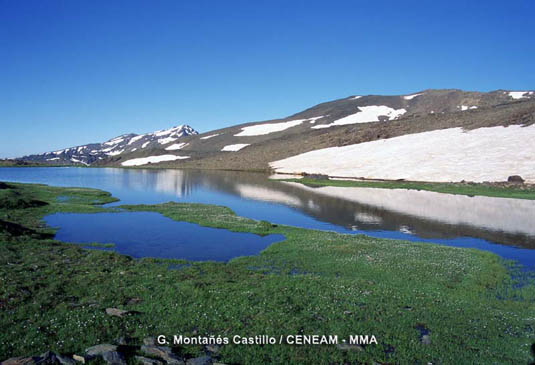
(94, 153)
(430, 135)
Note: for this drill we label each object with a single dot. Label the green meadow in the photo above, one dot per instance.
(515, 191)
(424, 303)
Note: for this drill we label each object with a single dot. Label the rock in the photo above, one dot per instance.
(162, 352)
(515, 179)
(21, 361)
(116, 312)
(80, 358)
(149, 341)
(316, 176)
(133, 301)
(48, 358)
(213, 348)
(65, 360)
(147, 361)
(114, 358)
(203, 360)
(426, 340)
(124, 341)
(100, 349)
(349, 347)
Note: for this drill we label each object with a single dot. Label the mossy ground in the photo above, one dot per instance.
(53, 295)
(504, 190)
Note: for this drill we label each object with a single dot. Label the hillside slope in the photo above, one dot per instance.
(344, 122)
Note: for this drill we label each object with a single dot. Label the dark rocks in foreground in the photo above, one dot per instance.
(147, 354)
(515, 179)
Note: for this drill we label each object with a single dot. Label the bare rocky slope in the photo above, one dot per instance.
(349, 121)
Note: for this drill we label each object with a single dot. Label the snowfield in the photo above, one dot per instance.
(152, 159)
(366, 114)
(234, 147)
(484, 154)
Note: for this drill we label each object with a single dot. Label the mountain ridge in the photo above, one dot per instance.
(347, 121)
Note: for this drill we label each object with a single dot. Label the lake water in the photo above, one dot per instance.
(149, 234)
(503, 226)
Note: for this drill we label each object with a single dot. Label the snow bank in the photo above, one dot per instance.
(234, 147)
(176, 146)
(152, 159)
(262, 129)
(366, 114)
(484, 154)
(145, 144)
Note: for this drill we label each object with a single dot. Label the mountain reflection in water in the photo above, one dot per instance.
(406, 214)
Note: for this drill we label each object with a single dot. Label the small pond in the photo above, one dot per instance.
(149, 234)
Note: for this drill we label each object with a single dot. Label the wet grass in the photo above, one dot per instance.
(504, 190)
(53, 295)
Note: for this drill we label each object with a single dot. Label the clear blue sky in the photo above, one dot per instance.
(74, 72)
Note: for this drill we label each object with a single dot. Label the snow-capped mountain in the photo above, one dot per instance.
(356, 136)
(127, 143)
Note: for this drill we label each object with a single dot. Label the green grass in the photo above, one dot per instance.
(53, 295)
(470, 189)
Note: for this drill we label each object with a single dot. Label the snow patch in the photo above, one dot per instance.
(78, 161)
(176, 146)
(356, 97)
(115, 153)
(313, 120)
(166, 140)
(517, 94)
(145, 144)
(152, 159)
(114, 141)
(366, 114)
(136, 138)
(210, 136)
(464, 107)
(410, 97)
(234, 147)
(484, 154)
(262, 129)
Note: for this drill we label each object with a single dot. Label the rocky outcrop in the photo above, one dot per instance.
(121, 353)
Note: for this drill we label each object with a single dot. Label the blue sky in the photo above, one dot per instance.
(74, 72)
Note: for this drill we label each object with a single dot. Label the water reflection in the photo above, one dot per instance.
(382, 212)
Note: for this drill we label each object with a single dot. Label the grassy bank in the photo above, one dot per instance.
(504, 190)
(54, 295)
